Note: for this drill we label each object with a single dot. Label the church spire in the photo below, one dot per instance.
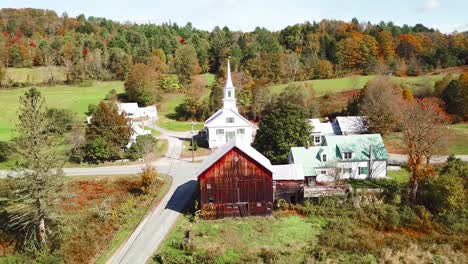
(228, 77)
(229, 101)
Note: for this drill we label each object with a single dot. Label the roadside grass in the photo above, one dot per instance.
(70, 97)
(126, 230)
(35, 75)
(187, 150)
(323, 87)
(238, 240)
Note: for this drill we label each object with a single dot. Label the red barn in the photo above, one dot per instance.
(236, 180)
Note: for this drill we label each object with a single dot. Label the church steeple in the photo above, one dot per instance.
(229, 101)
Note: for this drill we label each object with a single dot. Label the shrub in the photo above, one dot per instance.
(144, 144)
(5, 151)
(60, 120)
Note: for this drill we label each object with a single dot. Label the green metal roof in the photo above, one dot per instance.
(335, 146)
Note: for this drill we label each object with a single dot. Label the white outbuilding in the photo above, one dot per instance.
(227, 124)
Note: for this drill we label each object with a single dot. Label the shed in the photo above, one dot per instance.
(236, 180)
(288, 182)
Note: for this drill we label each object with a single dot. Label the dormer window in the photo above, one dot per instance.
(229, 119)
(347, 155)
(317, 140)
(324, 157)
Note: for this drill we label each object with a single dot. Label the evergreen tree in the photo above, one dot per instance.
(285, 127)
(40, 168)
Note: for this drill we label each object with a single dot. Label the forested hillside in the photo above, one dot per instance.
(98, 48)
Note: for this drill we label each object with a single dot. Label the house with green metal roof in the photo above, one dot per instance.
(360, 156)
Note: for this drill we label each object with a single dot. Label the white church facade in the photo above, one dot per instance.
(227, 124)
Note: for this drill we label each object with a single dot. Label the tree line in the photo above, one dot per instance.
(99, 48)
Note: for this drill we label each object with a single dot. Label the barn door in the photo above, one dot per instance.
(244, 198)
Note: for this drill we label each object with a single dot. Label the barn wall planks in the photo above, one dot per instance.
(236, 185)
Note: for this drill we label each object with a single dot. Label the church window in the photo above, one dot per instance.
(241, 131)
(229, 93)
(219, 131)
(229, 119)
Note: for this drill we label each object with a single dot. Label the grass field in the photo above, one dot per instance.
(459, 145)
(322, 87)
(240, 240)
(35, 75)
(74, 98)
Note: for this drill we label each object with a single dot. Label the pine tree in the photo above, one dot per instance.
(40, 169)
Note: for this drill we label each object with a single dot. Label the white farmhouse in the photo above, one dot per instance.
(132, 111)
(227, 124)
(353, 156)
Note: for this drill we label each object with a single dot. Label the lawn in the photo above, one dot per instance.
(322, 87)
(240, 240)
(400, 176)
(74, 98)
(167, 111)
(35, 75)
(187, 150)
(97, 214)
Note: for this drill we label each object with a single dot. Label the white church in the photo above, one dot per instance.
(227, 124)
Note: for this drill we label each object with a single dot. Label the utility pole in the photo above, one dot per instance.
(193, 145)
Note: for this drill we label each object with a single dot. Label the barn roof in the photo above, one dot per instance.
(247, 149)
(293, 172)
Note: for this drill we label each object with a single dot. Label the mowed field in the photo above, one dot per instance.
(322, 87)
(35, 75)
(69, 97)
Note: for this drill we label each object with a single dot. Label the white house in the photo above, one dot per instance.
(132, 111)
(342, 156)
(227, 124)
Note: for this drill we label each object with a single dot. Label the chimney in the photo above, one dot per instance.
(308, 144)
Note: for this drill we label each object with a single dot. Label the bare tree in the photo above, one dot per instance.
(292, 63)
(382, 103)
(424, 135)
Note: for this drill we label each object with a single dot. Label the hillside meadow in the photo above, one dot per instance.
(70, 97)
(327, 86)
(35, 75)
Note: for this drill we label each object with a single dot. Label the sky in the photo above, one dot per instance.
(444, 15)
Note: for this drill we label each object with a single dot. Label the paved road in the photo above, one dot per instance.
(152, 230)
(402, 158)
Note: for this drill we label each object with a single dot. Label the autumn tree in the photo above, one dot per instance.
(107, 134)
(285, 127)
(40, 166)
(381, 101)
(356, 51)
(424, 135)
(186, 63)
(324, 70)
(142, 85)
